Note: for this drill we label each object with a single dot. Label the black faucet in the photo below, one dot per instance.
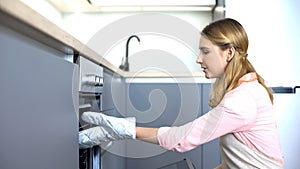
(125, 66)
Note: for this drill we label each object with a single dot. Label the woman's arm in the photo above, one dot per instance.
(147, 134)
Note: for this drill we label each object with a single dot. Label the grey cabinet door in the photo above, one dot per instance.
(113, 104)
(38, 123)
(156, 105)
(211, 157)
(107, 99)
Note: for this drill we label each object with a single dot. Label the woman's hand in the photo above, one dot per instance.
(108, 128)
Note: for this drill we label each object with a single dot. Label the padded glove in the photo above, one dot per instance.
(108, 128)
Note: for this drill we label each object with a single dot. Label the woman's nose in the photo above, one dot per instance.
(199, 60)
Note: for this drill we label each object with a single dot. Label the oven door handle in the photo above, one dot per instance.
(84, 106)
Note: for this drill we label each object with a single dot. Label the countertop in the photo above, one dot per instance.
(19, 16)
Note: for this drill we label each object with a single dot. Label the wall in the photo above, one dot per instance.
(165, 37)
(272, 27)
(91, 23)
(157, 48)
(44, 8)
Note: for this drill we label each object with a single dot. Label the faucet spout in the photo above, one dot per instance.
(125, 66)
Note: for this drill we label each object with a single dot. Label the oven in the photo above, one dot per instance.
(90, 99)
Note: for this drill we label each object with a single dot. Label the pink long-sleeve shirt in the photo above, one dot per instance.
(246, 111)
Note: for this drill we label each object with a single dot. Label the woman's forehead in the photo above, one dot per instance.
(204, 42)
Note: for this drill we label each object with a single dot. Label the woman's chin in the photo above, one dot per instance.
(207, 76)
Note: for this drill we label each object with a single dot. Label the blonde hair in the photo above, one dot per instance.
(227, 33)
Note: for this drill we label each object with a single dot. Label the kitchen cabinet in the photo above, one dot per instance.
(141, 99)
(211, 154)
(107, 99)
(113, 104)
(172, 104)
(38, 123)
(113, 92)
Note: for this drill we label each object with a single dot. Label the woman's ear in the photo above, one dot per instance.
(230, 54)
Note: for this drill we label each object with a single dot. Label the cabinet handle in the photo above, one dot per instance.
(282, 89)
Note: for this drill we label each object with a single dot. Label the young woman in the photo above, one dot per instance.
(241, 116)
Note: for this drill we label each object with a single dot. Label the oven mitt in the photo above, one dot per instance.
(108, 128)
(92, 137)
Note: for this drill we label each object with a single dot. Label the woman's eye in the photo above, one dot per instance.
(205, 52)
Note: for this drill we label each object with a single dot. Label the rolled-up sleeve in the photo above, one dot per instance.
(235, 113)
